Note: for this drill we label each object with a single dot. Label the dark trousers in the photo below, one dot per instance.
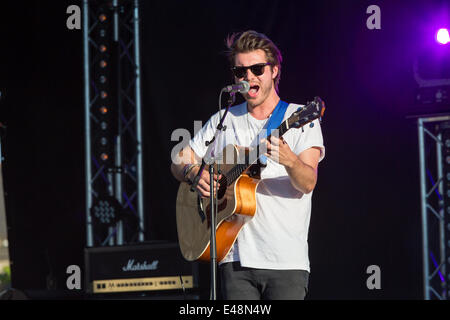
(239, 283)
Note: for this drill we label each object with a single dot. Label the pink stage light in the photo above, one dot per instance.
(442, 36)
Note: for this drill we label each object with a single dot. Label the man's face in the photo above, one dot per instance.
(260, 86)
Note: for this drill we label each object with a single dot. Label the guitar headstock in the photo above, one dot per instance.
(304, 115)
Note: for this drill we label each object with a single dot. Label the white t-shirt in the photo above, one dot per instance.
(277, 236)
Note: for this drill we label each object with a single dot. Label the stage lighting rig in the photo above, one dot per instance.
(434, 155)
(432, 74)
(112, 103)
(445, 128)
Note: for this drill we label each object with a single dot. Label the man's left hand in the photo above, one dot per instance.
(280, 152)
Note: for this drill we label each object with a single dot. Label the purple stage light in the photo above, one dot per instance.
(442, 36)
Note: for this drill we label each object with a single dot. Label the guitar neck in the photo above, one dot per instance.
(238, 169)
(282, 129)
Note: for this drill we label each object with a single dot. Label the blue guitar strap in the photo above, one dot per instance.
(273, 123)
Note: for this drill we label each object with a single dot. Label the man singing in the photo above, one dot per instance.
(269, 259)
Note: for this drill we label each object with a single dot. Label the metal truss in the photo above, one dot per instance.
(434, 157)
(113, 133)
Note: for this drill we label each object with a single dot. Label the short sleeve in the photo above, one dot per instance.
(309, 137)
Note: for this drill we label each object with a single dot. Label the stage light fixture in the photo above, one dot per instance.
(107, 210)
(431, 69)
(103, 48)
(442, 36)
(104, 95)
(102, 18)
(103, 110)
(104, 157)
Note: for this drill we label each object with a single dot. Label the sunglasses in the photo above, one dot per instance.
(257, 70)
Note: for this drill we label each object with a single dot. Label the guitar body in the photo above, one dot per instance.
(236, 206)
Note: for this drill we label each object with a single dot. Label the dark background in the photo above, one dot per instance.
(366, 207)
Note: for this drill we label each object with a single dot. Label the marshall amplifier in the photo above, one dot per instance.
(138, 267)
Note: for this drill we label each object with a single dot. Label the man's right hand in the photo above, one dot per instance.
(203, 186)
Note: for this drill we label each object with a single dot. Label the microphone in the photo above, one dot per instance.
(241, 87)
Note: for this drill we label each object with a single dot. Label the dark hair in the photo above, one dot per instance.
(243, 42)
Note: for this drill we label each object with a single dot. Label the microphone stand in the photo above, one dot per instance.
(209, 159)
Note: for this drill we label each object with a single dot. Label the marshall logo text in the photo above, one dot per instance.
(136, 266)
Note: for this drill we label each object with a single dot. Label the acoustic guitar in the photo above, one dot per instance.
(236, 196)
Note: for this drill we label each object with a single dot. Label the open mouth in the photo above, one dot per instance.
(253, 91)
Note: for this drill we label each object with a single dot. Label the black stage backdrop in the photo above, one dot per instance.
(366, 208)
